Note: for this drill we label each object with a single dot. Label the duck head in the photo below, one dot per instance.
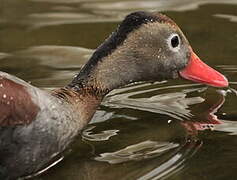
(145, 47)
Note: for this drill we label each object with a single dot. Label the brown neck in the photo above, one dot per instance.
(84, 102)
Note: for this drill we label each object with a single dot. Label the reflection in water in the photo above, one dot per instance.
(169, 155)
(210, 118)
(230, 17)
(103, 136)
(172, 104)
(57, 56)
(228, 120)
(175, 163)
(143, 150)
(53, 18)
(106, 7)
(229, 68)
(66, 11)
(3, 55)
(227, 126)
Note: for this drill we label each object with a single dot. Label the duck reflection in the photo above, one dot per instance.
(127, 146)
(210, 119)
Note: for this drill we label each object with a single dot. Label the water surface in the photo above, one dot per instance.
(166, 130)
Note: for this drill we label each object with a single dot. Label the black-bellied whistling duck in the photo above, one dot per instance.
(36, 125)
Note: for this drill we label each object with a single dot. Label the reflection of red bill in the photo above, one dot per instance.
(210, 121)
(199, 126)
(198, 71)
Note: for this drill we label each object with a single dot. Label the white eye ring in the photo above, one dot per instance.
(173, 42)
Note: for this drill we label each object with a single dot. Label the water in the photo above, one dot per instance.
(169, 130)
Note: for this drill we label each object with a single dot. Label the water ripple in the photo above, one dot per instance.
(143, 150)
(87, 134)
(57, 56)
(231, 18)
(175, 104)
(3, 55)
(175, 163)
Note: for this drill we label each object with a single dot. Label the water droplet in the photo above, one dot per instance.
(1, 85)
(4, 96)
(169, 121)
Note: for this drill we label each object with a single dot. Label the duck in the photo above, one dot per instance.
(37, 125)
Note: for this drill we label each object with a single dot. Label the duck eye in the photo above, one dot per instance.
(175, 41)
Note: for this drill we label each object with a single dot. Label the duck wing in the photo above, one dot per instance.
(16, 105)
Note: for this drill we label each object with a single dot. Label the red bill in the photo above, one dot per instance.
(198, 71)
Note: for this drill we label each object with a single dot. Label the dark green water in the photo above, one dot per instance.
(172, 130)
